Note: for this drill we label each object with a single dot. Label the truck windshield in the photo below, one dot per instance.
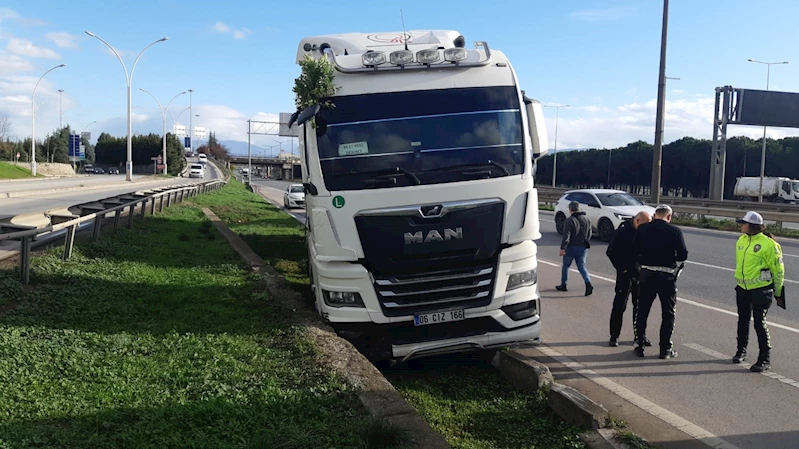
(795, 186)
(438, 136)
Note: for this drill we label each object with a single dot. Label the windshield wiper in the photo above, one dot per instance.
(504, 170)
(383, 175)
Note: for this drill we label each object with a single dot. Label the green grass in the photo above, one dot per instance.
(157, 337)
(728, 225)
(11, 171)
(473, 407)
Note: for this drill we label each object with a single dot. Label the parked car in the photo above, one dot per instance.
(99, 171)
(294, 196)
(605, 208)
(113, 171)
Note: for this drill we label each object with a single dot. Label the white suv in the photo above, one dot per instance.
(605, 208)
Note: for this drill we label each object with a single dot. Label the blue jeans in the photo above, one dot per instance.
(577, 254)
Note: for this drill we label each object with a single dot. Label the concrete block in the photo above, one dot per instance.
(522, 372)
(576, 408)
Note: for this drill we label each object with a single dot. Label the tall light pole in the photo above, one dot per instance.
(60, 109)
(555, 153)
(763, 151)
(660, 116)
(198, 125)
(163, 116)
(191, 131)
(129, 79)
(33, 120)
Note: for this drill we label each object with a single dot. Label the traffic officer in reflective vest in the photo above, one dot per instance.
(659, 245)
(760, 275)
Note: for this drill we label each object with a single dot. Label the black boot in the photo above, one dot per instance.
(668, 353)
(763, 364)
(740, 356)
(614, 341)
(561, 288)
(588, 289)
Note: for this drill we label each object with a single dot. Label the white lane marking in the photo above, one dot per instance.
(729, 269)
(746, 366)
(687, 301)
(645, 404)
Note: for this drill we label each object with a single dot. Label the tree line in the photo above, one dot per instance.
(214, 148)
(53, 148)
(685, 168)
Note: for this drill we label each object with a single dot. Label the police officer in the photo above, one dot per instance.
(621, 255)
(760, 275)
(659, 245)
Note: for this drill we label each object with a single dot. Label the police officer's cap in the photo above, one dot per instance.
(751, 217)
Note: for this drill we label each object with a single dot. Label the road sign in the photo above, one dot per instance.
(187, 142)
(283, 129)
(74, 147)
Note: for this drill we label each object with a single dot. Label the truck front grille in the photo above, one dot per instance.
(440, 290)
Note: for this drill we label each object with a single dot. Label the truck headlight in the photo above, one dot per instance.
(523, 279)
(342, 299)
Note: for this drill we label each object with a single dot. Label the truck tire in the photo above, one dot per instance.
(779, 199)
(560, 219)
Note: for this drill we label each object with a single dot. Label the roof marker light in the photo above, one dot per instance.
(401, 57)
(455, 54)
(428, 56)
(373, 58)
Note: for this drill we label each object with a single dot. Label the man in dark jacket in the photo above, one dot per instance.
(659, 246)
(576, 241)
(622, 256)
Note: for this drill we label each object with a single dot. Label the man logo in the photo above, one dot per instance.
(433, 236)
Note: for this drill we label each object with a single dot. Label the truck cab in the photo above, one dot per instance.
(420, 198)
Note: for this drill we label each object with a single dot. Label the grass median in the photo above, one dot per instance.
(12, 171)
(158, 337)
(467, 401)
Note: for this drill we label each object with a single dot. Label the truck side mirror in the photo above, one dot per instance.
(537, 125)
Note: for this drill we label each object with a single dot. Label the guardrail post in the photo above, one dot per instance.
(161, 203)
(69, 242)
(143, 208)
(131, 214)
(117, 214)
(25, 260)
(97, 222)
(152, 205)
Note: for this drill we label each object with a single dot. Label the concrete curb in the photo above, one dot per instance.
(377, 394)
(27, 193)
(46, 178)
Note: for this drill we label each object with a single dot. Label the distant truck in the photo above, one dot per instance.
(776, 189)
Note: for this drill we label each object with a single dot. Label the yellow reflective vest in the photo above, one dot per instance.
(758, 263)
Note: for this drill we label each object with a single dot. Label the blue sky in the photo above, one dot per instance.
(600, 57)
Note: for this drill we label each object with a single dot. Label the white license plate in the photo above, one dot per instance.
(424, 319)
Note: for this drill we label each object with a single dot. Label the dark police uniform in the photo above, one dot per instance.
(658, 246)
(622, 255)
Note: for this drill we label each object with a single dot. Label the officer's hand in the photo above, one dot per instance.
(562, 252)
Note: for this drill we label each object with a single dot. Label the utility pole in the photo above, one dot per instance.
(555, 154)
(60, 109)
(657, 155)
(763, 151)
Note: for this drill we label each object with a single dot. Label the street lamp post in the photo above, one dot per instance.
(33, 120)
(129, 79)
(163, 116)
(763, 151)
(191, 132)
(60, 109)
(90, 124)
(660, 116)
(555, 153)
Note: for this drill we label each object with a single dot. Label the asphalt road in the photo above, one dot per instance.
(10, 207)
(701, 389)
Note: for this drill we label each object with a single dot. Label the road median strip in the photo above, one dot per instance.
(158, 337)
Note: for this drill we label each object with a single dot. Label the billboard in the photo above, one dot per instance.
(179, 130)
(767, 108)
(284, 130)
(199, 132)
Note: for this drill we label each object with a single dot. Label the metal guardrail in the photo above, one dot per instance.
(70, 223)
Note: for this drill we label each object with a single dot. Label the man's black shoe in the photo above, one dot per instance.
(589, 289)
(639, 351)
(561, 288)
(646, 342)
(614, 341)
(740, 356)
(668, 354)
(760, 366)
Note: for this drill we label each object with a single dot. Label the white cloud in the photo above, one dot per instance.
(13, 64)
(223, 28)
(597, 126)
(7, 14)
(595, 15)
(62, 39)
(25, 47)
(220, 27)
(15, 99)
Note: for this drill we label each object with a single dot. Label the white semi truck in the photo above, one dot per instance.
(775, 189)
(420, 198)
